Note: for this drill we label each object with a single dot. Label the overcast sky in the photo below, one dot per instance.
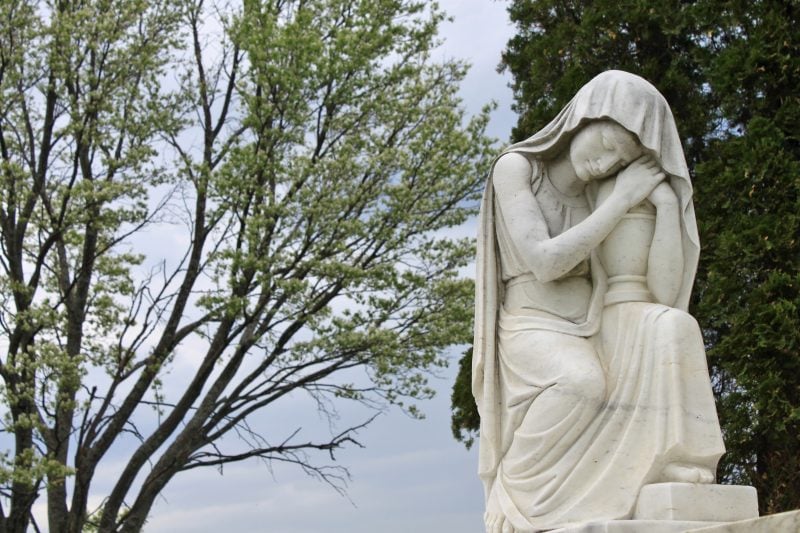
(411, 476)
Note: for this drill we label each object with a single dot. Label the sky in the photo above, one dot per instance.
(411, 475)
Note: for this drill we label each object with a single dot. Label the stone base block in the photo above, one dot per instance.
(696, 502)
(636, 526)
(788, 522)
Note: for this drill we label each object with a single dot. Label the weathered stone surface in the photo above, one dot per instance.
(635, 526)
(689, 501)
(777, 523)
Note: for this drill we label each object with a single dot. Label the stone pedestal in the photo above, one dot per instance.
(696, 502)
(778, 523)
(636, 526)
(685, 507)
(788, 522)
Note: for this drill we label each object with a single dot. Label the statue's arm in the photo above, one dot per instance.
(551, 258)
(665, 263)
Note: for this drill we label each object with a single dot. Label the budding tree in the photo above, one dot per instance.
(304, 158)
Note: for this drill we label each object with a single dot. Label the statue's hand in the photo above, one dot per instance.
(635, 182)
(663, 196)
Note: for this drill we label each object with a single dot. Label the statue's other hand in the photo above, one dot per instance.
(635, 182)
(663, 196)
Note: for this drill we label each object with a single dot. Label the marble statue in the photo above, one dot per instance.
(589, 375)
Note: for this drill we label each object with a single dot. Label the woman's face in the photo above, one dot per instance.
(602, 148)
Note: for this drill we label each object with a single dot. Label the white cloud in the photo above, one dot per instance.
(478, 34)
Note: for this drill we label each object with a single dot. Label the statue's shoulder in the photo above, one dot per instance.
(511, 161)
(512, 168)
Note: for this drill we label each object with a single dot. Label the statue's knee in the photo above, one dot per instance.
(678, 326)
(681, 320)
(588, 384)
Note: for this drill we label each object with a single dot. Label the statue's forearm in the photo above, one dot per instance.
(665, 263)
(545, 257)
(559, 255)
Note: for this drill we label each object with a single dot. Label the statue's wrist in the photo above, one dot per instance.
(666, 203)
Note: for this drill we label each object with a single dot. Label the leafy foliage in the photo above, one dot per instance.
(302, 161)
(731, 72)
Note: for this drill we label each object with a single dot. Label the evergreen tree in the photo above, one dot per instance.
(748, 205)
(465, 420)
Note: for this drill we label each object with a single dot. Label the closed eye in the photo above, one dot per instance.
(608, 145)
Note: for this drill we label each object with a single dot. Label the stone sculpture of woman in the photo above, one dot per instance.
(590, 377)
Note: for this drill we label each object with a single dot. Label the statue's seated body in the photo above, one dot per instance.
(590, 376)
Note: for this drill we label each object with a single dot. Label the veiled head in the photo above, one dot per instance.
(601, 148)
(626, 99)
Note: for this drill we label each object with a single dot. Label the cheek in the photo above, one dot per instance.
(577, 159)
(630, 153)
(608, 161)
(583, 152)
